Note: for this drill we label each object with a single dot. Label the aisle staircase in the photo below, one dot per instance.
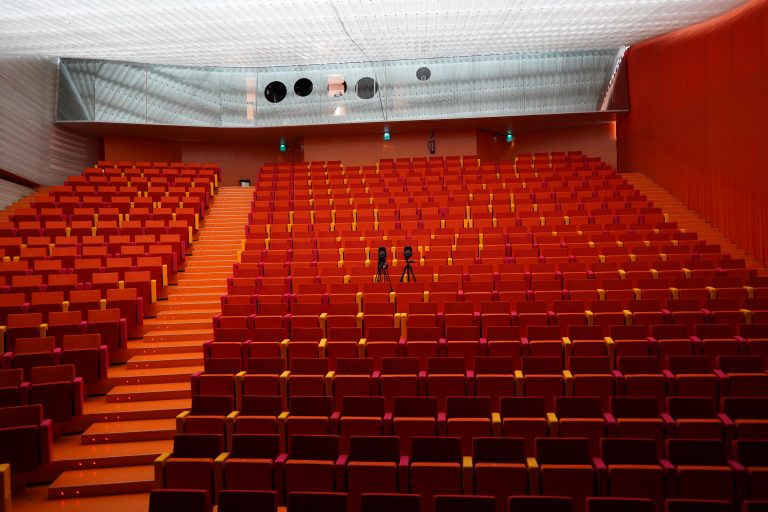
(135, 421)
(688, 219)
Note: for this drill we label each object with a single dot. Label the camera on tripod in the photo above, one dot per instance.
(408, 270)
(407, 253)
(382, 257)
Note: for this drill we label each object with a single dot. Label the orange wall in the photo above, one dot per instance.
(237, 160)
(698, 120)
(119, 147)
(367, 149)
(593, 140)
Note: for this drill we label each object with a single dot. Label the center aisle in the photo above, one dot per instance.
(135, 421)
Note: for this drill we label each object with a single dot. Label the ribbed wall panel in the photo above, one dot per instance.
(31, 145)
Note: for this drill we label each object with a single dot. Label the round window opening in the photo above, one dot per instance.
(423, 74)
(366, 88)
(303, 87)
(275, 92)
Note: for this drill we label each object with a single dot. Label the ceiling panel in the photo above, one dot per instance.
(300, 32)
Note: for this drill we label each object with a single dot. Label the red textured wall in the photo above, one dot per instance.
(699, 117)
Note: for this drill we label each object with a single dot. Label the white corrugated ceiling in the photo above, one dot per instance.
(300, 32)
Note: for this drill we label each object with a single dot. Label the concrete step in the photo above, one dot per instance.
(197, 297)
(103, 482)
(192, 305)
(144, 392)
(129, 431)
(98, 409)
(200, 313)
(180, 335)
(165, 360)
(166, 324)
(122, 375)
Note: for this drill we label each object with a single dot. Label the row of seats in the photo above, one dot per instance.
(484, 376)
(56, 388)
(467, 417)
(166, 500)
(498, 467)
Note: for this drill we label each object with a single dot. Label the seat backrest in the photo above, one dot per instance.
(522, 407)
(268, 334)
(534, 365)
(189, 500)
(468, 407)
(494, 307)
(628, 451)
(568, 306)
(255, 446)
(261, 405)
(390, 502)
(344, 334)
(307, 334)
(494, 365)
(265, 365)
(362, 406)
(502, 333)
(540, 504)
(46, 374)
(633, 365)
(311, 406)
(595, 504)
(84, 296)
(462, 333)
(634, 407)
(11, 378)
(103, 315)
(751, 453)
(423, 334)
(309, 366)
(415, 407)
(691, 407)
(354, 366)
(535, 306)
(399, 365)
(585, 332)
(314, 447)
(745, 407)
(64, 317)
(24, 319)
(35, 345)
(212, 405)
(446, 365)
(563, 450)
(595, 365)
(47, 298)
(312, 501)
(544, 332)
(374, 448)
(464, 503)
(669, 332)
(740, 364)
(12, 299)
(627, 332)
(695, 452)
(80, 341)
(753, 331)
(422, 308)
(242, 501)
(715, 331)
(578, 407)
(207, 446)
(689, 364)
(222, 365)
(436, 449)
(116, 294)
(508, 450)
(383, 334)
(379, 308)
(460, 308)
(684, 505)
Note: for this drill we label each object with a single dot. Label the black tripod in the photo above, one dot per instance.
(382, 274)
(408, 270)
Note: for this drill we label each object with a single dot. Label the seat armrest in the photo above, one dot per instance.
(180, 421)
(45, 432)
(79, 395)
(467, 474)
(340, 472)
(159, 469)
(403, 470)
(533, 475)
(553, 424)
(442, 423)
